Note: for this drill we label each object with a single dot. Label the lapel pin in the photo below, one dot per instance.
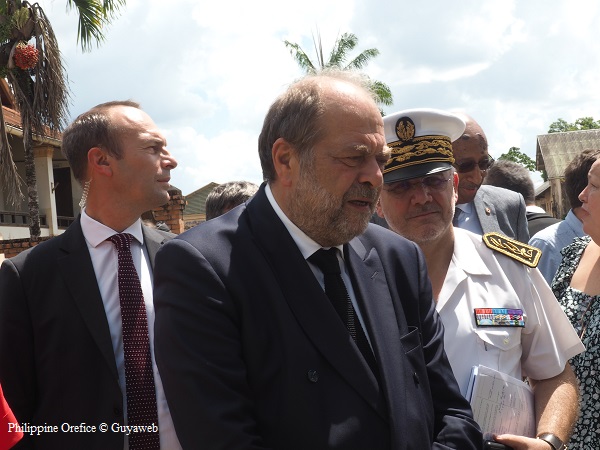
(488, 211)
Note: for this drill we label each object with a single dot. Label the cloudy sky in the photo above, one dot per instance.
(207, 71)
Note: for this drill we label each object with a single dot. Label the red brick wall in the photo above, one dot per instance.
(172, 212)
(13, 247)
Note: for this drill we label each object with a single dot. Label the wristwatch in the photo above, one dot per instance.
(553, 440)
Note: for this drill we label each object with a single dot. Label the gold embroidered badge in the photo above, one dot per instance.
(528, 255)
(405, 128)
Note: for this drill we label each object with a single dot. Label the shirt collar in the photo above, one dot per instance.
(305, 244)
(535, 209)
(466, 256)
(575, 224)
(467, 208)
(96, 233)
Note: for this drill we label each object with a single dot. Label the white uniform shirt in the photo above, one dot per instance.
(479, 277)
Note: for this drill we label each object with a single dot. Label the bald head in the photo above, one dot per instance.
(471, 147)
(473, 132)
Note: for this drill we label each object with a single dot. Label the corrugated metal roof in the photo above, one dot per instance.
(196, 201)
(556, 150)
(542, 188)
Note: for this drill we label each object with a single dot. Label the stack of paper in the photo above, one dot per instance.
(501, 403)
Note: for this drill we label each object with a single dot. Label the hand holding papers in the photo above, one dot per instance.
(501, 403)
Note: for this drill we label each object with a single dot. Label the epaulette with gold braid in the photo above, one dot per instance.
(514, 249)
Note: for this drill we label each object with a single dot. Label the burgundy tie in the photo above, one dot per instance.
(139, 377)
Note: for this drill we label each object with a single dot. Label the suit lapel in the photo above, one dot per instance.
(78, 272)
(308, 302)
(486, 212)
(379, 315)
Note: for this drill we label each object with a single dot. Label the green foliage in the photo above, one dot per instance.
(583, 123)
(515, 154)
(94, 15)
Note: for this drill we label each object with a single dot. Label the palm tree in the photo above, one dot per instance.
(337, 59)
(35, 73)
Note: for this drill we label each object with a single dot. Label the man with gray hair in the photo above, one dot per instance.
(226, 196)
(290, 322)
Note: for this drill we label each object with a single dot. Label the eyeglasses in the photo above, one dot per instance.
(467, 166)
(432, 183)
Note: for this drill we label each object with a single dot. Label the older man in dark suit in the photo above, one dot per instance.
(290, 323)
(76, 312)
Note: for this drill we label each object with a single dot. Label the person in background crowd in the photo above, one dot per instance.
(290, 322)
(474, 277)
(226, 196)
(515, 177)
(553, 239)
(483, 209)
(577, 287)
(76, 311)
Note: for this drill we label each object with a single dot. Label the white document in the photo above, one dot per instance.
(501, 403)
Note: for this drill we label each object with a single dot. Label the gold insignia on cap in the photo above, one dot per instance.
(526, 254)
(419, 150)
(405, 128)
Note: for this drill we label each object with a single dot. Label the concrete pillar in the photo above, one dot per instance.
(45, 185)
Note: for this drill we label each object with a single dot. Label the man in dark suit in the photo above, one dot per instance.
(62, 357)
(252, 352)
(484, 209)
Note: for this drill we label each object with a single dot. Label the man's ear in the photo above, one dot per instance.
(99, 162)
(455, 184)
(380, 209)
(285, 161)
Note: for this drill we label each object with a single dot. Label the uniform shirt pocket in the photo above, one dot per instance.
(499, 348)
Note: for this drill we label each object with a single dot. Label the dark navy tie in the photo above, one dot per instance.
(457, 213)
(139, 377)
(335, 289)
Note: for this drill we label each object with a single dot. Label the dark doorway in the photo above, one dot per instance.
(63, 193)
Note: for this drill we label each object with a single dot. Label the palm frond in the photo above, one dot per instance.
(112, 7)
(93, 16)
(8, 169)
(319, 50)
(41, 94)
(300, 57)
(339, 53)
(383, 94)
(363, 59)
(49, 97)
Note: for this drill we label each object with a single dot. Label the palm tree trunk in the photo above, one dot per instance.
(31, 181)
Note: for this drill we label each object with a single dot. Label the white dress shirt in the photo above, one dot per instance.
(104, 259)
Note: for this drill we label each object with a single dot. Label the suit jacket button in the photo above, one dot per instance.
(313, 376)
(118, 411)
(416, 378)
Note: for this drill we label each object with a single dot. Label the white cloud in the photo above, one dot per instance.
(207, 71)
